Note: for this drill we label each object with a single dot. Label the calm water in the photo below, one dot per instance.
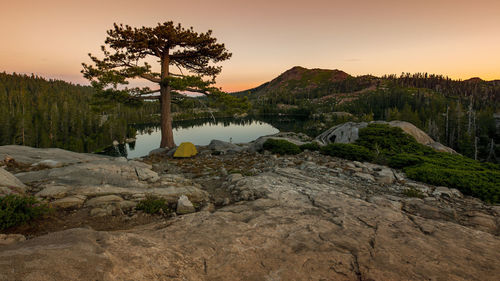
(199, 132)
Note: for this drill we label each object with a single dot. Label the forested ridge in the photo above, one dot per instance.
(51, 113)
(461, 114)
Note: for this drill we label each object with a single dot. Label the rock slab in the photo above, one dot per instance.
(294, 226)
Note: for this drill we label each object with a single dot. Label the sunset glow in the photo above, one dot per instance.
(456, 38)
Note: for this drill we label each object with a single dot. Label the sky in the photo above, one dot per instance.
(457, 38)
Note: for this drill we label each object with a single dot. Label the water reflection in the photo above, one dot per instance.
(202, 131)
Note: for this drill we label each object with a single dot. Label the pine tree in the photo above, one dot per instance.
(171, 45)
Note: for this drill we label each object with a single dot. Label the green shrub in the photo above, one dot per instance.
(391, 145)
(402, 160)
(18, 209)
(386, 140)
(483, 184)
(281, 147)
(312, 146)
(153, 205)
(348, 151)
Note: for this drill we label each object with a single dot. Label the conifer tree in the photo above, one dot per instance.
(126, 56)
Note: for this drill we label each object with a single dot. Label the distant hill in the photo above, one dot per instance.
(300, 82)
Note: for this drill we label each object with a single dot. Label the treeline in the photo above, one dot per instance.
(462, 121)
(50, 113)
(480, 90)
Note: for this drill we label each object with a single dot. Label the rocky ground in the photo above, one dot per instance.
(258, 217)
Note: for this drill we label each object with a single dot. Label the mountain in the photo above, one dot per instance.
(299, 82)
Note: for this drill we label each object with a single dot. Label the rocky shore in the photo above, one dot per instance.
(254, 216)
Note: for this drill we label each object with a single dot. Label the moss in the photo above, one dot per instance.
(281, 147)
(348, 151)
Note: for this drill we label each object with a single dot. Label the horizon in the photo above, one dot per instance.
(242, 90)
(451, 38)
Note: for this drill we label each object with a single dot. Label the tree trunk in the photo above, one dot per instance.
(167, 135)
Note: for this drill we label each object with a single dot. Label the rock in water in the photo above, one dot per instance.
(184, 206)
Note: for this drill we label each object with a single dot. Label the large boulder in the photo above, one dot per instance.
(111, 171)
(343, 133)
(223, 147)
(258, 144)
(9, 183)
(349, 132)
(40, 156)
(419, 135)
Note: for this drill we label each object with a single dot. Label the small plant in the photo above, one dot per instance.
(18, 209)
(348, 151)
(281, 147)
(412, 192)
(153, 205)
(312, 146)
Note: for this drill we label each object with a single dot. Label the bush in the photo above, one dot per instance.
(391, 145)
(471, 177)
(402, 160)
(153, 205)
(386, 140)
(481, 184)
(17, 209)
(348, 151)
(312, 146)
(281, 147)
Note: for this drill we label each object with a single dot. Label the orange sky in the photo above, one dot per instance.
(457, 38)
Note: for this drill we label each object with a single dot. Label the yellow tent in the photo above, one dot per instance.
(186, 149)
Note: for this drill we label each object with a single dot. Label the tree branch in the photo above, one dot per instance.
(149, 92)
(196, 91)
(150, 78)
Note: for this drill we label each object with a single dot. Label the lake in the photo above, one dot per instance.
(199, 132)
